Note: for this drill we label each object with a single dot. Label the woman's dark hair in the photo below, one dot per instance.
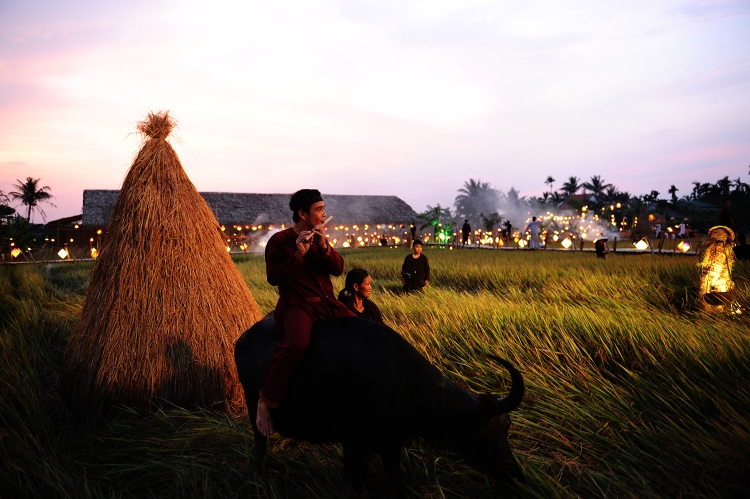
(302, 200)
(354, 276)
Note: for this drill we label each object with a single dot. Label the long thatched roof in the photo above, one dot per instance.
(232, 208)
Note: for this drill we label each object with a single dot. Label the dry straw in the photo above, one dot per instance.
(165, 303)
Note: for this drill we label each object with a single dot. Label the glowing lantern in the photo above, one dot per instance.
(346, 244)
(223, 228)
(63, 253)
(15, 252)
(567, 243)
(94, 253)
(641, 245)
(522, 243)
(228, 249)
(555, 238)
(716, 259)
(684, 246)
(584, 235)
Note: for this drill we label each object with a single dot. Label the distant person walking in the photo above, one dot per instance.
(415, 272)
(465, 231)
(413, 231)
(508, 232)
(725, 217)
(682, 233)
(533, 228)
(496, 234)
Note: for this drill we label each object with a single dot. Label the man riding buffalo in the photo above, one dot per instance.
(300, 262)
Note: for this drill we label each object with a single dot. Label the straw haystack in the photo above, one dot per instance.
(165, 303)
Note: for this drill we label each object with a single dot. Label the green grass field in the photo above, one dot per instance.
(632, 389)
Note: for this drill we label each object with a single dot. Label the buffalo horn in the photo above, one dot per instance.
(517, 389)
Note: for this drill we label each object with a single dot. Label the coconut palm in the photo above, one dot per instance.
(549, 181)
(673, 191)
(476, 197)
(611, 193)
(596, 186)
(723, 185)
(433, 216)
(571, 186)
(30, 194)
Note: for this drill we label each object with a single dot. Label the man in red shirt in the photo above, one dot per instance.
(300, 262)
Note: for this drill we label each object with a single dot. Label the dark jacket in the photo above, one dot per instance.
(371, 311)
(418, 270)
(305, 285)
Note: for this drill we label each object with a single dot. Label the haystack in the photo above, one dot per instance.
(165, 303)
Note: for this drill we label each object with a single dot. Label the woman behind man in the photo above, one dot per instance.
(356, 295)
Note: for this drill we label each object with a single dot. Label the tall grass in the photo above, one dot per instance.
(632, 389)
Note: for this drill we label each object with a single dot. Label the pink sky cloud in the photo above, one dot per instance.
(404, 98)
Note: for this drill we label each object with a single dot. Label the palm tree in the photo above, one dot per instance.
(30, 194)
(476, 197)
(434, 215)
(611, 193)
(549, 181)
(596, 186)
(723, 185)
(673, 191)
(571, 186)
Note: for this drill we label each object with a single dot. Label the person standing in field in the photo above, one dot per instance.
(496, 234)
(533, 228)
(300, 262)
(465, 231)
(725, 217)
(413, 231)
(415, 272)
(356, 295)
(508, 232)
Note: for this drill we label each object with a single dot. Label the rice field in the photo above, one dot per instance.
(632, 389)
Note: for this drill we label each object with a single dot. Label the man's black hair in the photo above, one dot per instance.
(302, 200)
(417, 241)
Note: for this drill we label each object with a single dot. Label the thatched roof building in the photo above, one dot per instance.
(232, 208)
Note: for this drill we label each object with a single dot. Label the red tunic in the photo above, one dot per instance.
(305, 297)
(303, 285)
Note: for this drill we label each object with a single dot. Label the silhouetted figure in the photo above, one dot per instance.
(465, 230)
(601, 247)
(725, 216)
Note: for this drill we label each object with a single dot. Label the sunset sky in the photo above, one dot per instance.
(395, 97)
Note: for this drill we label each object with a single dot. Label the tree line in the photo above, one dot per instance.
(484, 205)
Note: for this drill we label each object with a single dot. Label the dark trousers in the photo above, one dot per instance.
(297, 325)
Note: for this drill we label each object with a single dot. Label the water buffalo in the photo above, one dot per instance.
(363, 385)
